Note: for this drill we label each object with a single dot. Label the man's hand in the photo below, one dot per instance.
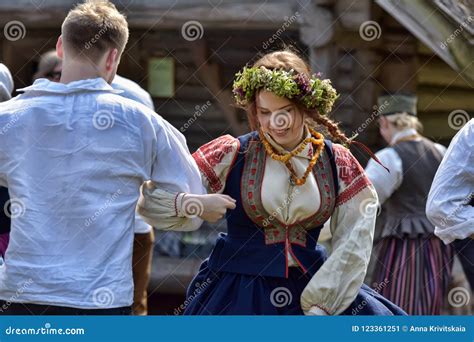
(210, 208)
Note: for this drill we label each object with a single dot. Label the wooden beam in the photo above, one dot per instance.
(434, 72)
(150, 14)
(443, 99)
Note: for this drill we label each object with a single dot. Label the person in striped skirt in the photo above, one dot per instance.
(412, 266)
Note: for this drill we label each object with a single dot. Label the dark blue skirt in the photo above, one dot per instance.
(225, 293)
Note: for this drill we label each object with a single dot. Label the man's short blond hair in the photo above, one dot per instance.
(93, 27)
(404, 120)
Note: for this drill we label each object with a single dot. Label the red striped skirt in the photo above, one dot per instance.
(414, 273)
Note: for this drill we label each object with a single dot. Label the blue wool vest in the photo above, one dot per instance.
(256, 243)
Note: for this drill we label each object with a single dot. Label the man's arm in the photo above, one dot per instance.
(175, 198)
(448, 205)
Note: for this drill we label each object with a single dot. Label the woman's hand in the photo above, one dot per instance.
(210, 207)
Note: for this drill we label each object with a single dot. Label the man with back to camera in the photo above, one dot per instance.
(50, 67)
(74, 155)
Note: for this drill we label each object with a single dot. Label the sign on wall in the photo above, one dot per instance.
(161, 76)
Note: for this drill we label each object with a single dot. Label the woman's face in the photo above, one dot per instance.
(280, 118)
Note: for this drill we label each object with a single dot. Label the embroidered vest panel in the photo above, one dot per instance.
(257, 244)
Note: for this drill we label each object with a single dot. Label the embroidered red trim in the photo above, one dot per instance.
(356, 187)
(210, 155)
(176, 204)
(214, 182)
(350, 173)
(349, 167)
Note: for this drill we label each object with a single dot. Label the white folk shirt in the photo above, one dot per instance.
(386, 183)
(336, 284)
(453, 188)
(73, 157)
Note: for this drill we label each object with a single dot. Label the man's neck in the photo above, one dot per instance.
(407, 133)
(78, 71)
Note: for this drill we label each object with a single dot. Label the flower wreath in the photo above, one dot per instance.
(312, 93)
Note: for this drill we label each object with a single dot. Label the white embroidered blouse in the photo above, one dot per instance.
(336, 284)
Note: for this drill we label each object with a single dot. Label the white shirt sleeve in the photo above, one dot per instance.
(163, 209)
(448, 206)
(336, 284)
(385, 183)
(173, 173)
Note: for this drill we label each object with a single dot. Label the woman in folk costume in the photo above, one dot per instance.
(287, 180)
(412, 263)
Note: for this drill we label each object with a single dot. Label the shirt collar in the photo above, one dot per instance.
(306, 153)
(403, 134)
(92, 84)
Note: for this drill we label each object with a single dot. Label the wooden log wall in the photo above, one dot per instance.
(441, 90)
(196, 109)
